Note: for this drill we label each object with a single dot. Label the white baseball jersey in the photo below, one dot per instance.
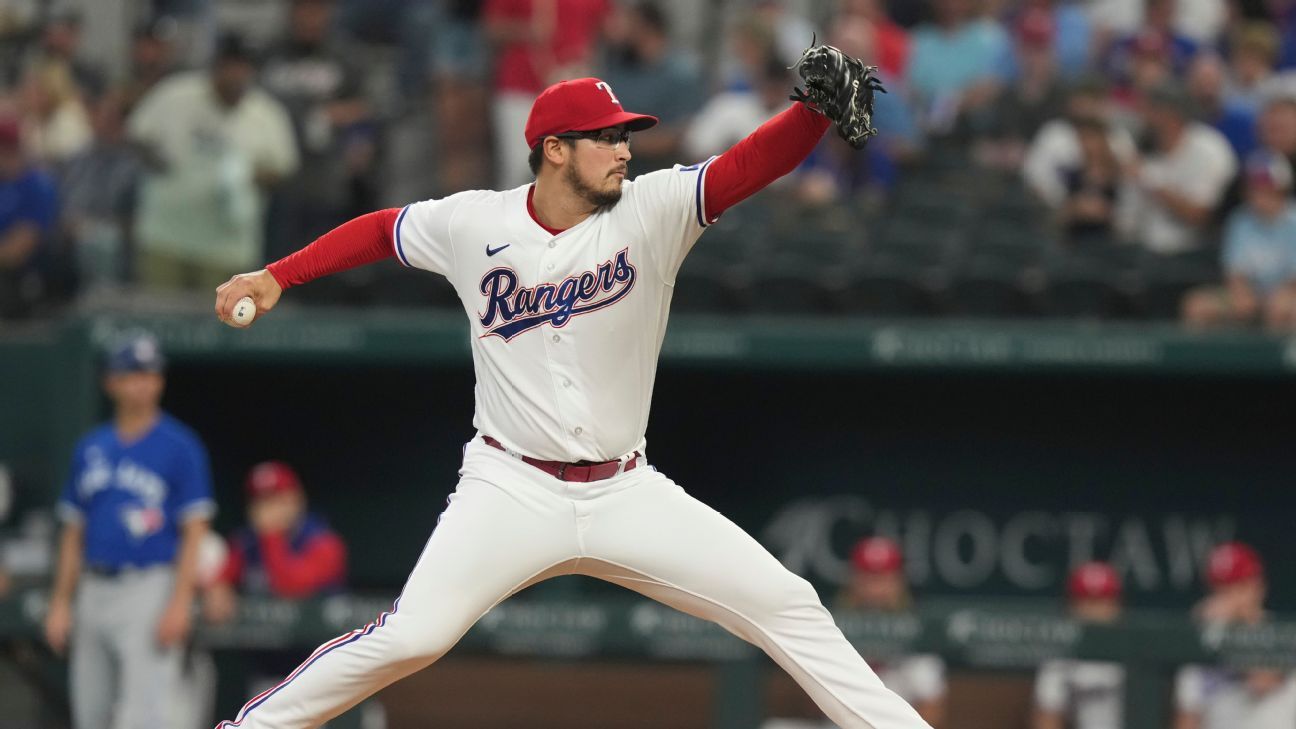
(566, 328)
(1091, 694)
(1223, 700)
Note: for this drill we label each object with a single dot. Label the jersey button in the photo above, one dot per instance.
(551, 267)
(566, 383)
(553, 244)
(578, 430)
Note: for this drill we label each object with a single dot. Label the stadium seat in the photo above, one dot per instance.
(987, 288)
(1166, 279)
(729, 243)
(706, 289)
(818, 248)
(399, 286)
(883, 293)
(916, 243)
(786, 286)
(1010, 242)
(1079, 293)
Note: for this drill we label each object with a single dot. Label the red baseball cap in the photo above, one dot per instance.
(1093, 581)
(1231, 563)
(272, 477)
(579, 105)
(877, 555)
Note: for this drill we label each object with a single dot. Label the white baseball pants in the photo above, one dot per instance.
(510, 525)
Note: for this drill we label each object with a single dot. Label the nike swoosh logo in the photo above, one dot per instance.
(492, 251)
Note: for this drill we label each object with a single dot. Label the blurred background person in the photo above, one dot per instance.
(283, 550)
(1088, 211)
(891, 40)
(1034, 91)
(311, 72)
(1157, 32)
(878, 582)
(216, 144)
(1219, 697)
(1251, 59)
(1056, 152)
(1084, 694)
(60, 44)
(152, 57)
(954, 63)
(758, 89)
(1207, 84)
(1277, 121)
(1258, 256)
(99, 188)
(135, 509)
(1149, 60)
(1174, 190)
(536, 43)
(460, 76)
(648, 72)
(28, 211)
(56, 125)
(790, 27)
(1072, 30)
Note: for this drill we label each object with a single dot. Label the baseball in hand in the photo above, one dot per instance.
(244, 311)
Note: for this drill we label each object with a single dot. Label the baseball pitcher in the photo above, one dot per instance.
(567, 283)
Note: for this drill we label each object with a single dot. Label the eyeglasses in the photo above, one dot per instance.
(611, 138)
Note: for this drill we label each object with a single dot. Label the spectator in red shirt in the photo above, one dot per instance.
(537, 42)
(285, 551)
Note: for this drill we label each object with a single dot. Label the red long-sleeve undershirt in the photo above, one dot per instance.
(773, 150)
(765, 155)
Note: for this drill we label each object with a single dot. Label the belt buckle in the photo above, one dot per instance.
(562, 471)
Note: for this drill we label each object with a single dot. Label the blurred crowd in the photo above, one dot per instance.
(1120, 156)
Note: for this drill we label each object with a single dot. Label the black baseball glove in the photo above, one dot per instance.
(841, 88)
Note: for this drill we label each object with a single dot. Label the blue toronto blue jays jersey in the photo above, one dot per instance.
(133, 497)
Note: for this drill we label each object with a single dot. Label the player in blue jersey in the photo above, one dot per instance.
(135, 508)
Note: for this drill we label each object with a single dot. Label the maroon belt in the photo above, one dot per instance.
(582, 472)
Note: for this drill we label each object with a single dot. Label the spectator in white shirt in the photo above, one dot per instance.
(216, 144)
(1173, 193)
(731, 115)
(1084, 694)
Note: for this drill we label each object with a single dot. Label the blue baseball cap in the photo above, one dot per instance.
(135, 353)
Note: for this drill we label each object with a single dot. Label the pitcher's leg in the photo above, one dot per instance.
(657, 540)
(466, 567)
